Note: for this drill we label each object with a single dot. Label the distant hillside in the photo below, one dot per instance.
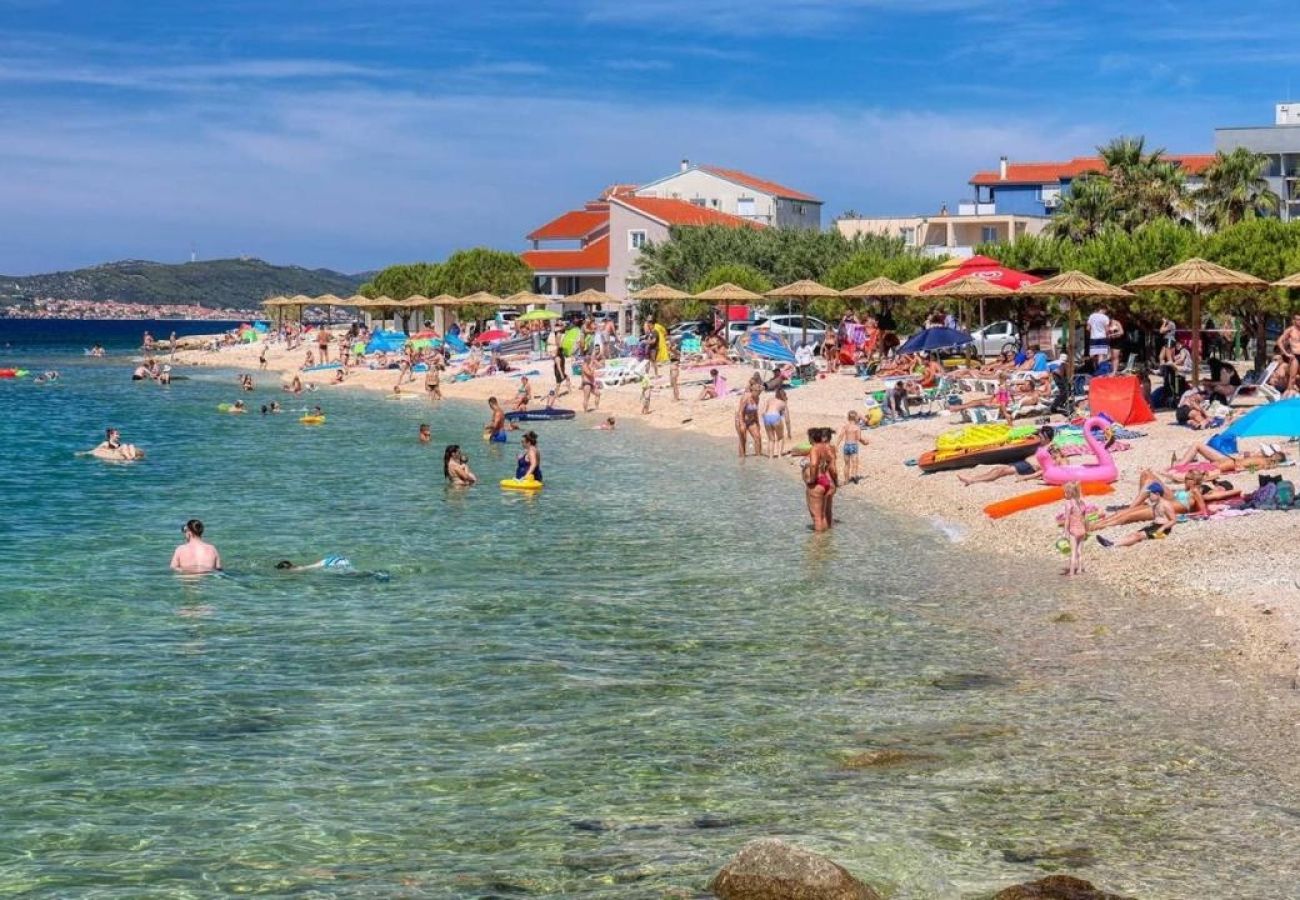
(217, 283)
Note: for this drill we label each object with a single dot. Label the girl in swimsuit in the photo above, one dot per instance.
(820, 478)
(530, 461)
(775, 418)
(1076, 527)
(747, 422)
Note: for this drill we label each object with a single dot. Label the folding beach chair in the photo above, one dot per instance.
(1258, 382)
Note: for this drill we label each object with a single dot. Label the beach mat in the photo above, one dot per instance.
(1120, 397)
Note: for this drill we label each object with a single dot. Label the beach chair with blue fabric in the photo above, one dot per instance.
(766, 350)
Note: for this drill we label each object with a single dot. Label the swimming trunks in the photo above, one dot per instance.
(338, 563)
(498, 437)
(850, 448)
(1022, 467)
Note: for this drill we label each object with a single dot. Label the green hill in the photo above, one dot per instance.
(217, 283)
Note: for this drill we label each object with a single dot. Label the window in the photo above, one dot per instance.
(908, 235)
(697, 201)
(714, 201)
(636, 240)
(988, 234)
(746, 206)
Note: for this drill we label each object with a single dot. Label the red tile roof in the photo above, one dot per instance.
(1050, 172)
(573, 225)
(759, 184)
(593, 257)
(679, 212)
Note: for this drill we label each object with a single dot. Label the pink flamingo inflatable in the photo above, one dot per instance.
(1103, 471)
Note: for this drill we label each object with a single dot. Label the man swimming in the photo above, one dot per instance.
(333, 564)
(196, 556)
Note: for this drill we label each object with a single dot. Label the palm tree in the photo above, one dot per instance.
(1085, 208)
(1146, 186)
(1235, 189)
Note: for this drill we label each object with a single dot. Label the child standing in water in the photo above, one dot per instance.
(850, 440)
(1076, 527)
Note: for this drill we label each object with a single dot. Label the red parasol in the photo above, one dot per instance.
(494, 334)
(985, 268)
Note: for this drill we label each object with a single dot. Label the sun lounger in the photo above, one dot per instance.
(1258, 383)
(624, 370)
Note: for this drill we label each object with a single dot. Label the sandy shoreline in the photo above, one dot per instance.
(1236, 570)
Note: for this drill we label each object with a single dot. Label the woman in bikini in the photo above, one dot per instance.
(747, 422)
(776, 417)
(820, 478)
(1205, 458)
(1188, 499)
(590, 387)
(455, 467)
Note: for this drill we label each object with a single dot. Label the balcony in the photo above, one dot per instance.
(972, 208)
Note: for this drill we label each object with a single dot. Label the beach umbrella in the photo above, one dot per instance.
(805, 290)
(381, 305)
(1291, 281)
(984, 268)
(728, 294)
(526, 298)
(492, 334)
(1279, 419)
(971, 287)
(1194, 277)
(1072, 287)
(593, 297)
(929, 340)
(659, 293)
(881, 288)
(539, 315)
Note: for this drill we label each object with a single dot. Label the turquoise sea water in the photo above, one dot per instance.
(600, 691)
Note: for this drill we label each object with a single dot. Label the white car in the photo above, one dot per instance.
(791, 327)
(995, 337)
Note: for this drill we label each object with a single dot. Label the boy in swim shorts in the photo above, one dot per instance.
(850, 440)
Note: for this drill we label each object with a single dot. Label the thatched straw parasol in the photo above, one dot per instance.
(804, 290)
(881, 288)
(1073, 286)
(481, 298)
(526, 298)
(593, 297)
(1194, 277)
(969, 288)
(1291, 281)
(728, 294)
(660, 293)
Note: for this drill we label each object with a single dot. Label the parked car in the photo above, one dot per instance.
(737, 327)
(690, 328)
(995, 337)
(792, 328)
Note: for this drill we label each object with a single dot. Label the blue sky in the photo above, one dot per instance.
(354, 134)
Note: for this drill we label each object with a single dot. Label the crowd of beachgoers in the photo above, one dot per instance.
(858, 422)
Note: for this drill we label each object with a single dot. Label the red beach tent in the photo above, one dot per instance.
(986, 268)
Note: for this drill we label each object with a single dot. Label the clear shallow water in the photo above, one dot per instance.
(599, 691)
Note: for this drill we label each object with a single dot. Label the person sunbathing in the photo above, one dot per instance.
(904, 364)
(1190, 498)
(1163, 517)
(1027, 469)
(1207, 459)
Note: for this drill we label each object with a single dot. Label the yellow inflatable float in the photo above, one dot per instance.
(312, 420)
(521, 484)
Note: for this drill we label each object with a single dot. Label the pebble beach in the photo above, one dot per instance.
(1236, 571)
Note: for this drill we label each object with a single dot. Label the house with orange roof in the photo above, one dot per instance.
(739, 194)
(1036, 188)
(598, 246)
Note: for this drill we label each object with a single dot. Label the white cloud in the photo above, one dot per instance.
(356, 178)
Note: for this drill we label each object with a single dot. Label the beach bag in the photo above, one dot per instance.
(1265, 497)
(1224, 443)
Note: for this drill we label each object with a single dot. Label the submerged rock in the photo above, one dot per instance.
(881, 759)
(1077, 857)
(967, 681)
(1056, 887)
(771, 869)
(709, 820)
